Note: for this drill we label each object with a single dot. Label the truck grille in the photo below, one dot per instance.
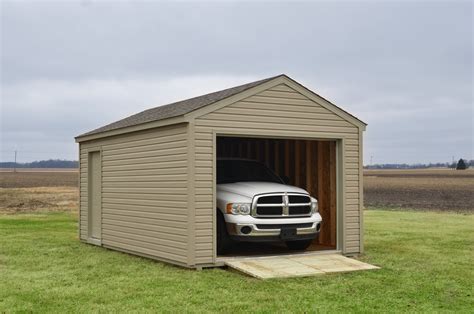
(281, 205)
(274, 210)
(299, 210)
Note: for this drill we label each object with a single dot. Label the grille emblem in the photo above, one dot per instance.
(286, 210)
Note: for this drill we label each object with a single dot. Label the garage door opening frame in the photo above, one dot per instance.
(340, 233)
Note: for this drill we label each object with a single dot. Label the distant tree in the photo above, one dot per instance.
(461, 165)
(51, 163)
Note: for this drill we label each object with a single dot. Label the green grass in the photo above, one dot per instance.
(426, 261)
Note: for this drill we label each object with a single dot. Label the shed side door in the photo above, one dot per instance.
(95, 204)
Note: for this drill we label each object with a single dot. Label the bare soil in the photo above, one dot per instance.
(36, 190)
(35, 178)
(430, 189)
(38, 199)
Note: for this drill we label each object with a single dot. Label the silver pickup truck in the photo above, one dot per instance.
(254, 204)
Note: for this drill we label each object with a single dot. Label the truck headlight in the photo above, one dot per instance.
(314, 205)
(238, 208)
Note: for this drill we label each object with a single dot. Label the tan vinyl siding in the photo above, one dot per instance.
(278, 111)
(144, 188)
(83, 193)
(351, 196)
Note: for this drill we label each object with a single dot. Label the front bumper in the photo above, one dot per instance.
(248, 228)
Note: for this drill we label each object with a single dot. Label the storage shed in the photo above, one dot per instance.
(148, 182)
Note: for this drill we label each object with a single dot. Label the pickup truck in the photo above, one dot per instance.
(255, 204)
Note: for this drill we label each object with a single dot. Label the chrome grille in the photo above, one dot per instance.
(281, 205)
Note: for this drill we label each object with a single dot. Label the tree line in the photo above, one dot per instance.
(58, 163)
(51, 163)
(461, 164)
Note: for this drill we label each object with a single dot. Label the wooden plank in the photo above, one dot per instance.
(277, 157)
(309, 186)
(320, 194)
(287, 158)
(267, 152)
(297, 162)
(333, 193)
(314, 172)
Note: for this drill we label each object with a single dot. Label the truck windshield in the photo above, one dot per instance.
(230, 170)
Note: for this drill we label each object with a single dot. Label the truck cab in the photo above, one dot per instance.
(254, 204)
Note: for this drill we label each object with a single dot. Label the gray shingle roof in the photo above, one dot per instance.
(176, 109)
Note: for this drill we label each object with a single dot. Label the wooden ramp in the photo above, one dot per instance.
(296, 265)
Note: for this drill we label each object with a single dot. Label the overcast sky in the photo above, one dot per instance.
(404, 68)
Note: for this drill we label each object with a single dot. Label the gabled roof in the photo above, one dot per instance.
(180, 108)
(176, 109)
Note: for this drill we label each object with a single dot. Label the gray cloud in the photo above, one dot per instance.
(405, 68)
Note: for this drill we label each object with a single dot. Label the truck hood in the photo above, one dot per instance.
(250, 189)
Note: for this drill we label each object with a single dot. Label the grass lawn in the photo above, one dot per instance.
(426, 261)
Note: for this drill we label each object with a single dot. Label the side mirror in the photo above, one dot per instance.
(285, 179)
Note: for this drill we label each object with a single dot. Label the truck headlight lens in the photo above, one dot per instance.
(238, 208)
(314, 205)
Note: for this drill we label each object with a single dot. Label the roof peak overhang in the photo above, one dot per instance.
(243, 91)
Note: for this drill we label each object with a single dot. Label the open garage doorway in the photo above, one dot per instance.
(307, 164)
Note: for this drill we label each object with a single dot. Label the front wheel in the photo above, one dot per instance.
(298, 245)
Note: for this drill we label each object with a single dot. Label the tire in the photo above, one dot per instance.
(224, 242)
(298, 245)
